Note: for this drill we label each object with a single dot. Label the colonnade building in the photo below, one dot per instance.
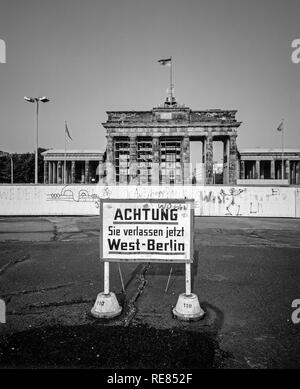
(72, 166)
(266, 164)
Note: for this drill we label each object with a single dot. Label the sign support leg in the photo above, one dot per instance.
(167, 287)
(187, 279)
(106, 277)
(121, 277)
(106, 305)
(188, 307)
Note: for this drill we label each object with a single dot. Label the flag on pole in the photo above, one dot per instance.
(280, 127)
(165, 62)
(67, 131)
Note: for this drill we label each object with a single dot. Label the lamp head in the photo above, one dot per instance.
(44, 99)
(29, 99)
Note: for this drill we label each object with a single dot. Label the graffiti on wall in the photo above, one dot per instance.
(274, 192)
(229, 198)
(246, 201)
(256, 208)
(233, 207)
(71, 195)
(209, 200)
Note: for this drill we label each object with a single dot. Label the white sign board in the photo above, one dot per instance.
(146, 230)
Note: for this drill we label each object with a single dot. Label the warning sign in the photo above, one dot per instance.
(146, 230)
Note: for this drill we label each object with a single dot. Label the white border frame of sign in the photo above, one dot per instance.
(179, 201)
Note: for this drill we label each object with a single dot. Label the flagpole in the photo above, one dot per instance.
(282, 152)
(65, 164)
(171, 82)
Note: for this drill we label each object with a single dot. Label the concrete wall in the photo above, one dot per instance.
(209, 200)
(263, 182)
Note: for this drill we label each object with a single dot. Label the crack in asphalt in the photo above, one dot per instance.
(72, 236)
(49, 305)
(37, 290)
(131, 306)
(61, 303)
(256, 235)
(13, 262)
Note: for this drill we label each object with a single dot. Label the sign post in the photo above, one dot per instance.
(106, 277)
(147, 230)
(188, 279)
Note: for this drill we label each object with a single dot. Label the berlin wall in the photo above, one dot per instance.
(29, 200)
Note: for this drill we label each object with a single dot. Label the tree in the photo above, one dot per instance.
(4, 169)
(24, 166)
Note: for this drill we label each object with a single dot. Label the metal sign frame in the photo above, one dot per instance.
(160, 201)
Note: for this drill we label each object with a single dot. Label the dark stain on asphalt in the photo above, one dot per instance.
(114, 347)
(55, 233)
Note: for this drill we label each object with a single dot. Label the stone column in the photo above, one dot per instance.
(46, 169)
(252, 170)
(225, 161)
(209, 158)
(185, 157)
(66, 172)
(294, 172)
(110, 168)
(58, 167)
(262, 170)
(277, 176)
(204, 161)
(133, 177)
(238, 170)
(101, 169)
(82, 174)
(282, 176)
(50, 173)
(86, 172)
(63, 172)
(273, 169)
(287, 170)
(72, 172)
(59, 172)
(155, 160)
(54, 171)
(246, 170)
(297, 172)
(257, 170)
(242, 170)
(232, 159)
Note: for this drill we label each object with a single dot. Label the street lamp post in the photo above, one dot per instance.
(36, 100)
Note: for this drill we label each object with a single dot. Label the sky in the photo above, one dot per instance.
(93, 56)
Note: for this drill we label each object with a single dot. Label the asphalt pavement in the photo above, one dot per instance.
(246, 274)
